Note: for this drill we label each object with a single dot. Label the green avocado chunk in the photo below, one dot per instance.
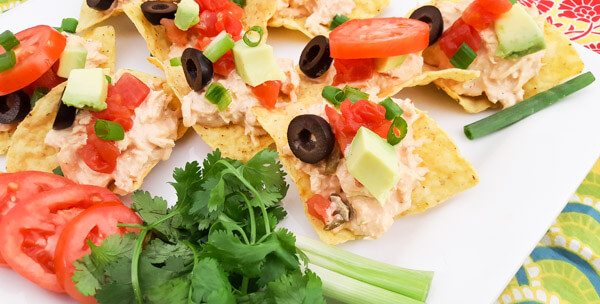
(187, 15)
(86, 88)
(387, 64)
(256, 64)
(374, 163)
(73, 57)
(518, 34)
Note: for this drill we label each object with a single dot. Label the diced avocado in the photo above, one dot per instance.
(518, 34)
(256, 64)
(73, 57)
(374, 163)
(187, 15)
(86, 88)
(387, 64)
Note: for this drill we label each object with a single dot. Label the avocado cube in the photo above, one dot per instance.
(518, 34)
(256, 64)
(387, 64)
(187, 15)
(73, 57)
(374, 163)
(86, 88)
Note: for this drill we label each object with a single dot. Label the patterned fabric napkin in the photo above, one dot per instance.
(565, 265)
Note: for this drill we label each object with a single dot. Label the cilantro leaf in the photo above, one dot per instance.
(174, 291)
(152, 209)
(265, 173)
(296, 288)
(210, 284)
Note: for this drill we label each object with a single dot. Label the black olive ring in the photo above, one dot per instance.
(316, 58)
(310, 138)
(432, 16)
(197, 68)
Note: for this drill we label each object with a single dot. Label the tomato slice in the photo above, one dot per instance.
(40, 47)
(378, 38)
(99, 155)
(94, 224)
(352, 70)
(268, 93)
(353, 116)
(456, 35)
(31, 230)
(317, 206)
(49, 80)
(17, 188)
(482, 13)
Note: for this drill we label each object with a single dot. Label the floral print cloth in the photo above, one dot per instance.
(564, 267)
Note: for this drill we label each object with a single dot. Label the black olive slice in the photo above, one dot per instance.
(14, 107)
(100, 5)
(65, 117)
(432, 16)
(197, 68)
(154, 11)
(316, 59)
(310, 138)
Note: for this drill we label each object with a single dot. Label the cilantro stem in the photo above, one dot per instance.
(196, 260)
(225, 218)
(252, 220)
(135, 261)
(137, 226)
(245, 282)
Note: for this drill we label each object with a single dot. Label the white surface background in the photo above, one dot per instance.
(474, 242)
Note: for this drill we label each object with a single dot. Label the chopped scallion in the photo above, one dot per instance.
(337, 21)
(175, 62)
(334, 95)
(7, 61)
(108, 78)
(58, 171)
(530, 106)
(218, 95)
(354, 94)
(8, 40)
(108, 130)
(38, 94)
(241, 3)
(392, 110)
(398, 125)
(255, 29)
(463, 57)
(219, 46)
(69, 25)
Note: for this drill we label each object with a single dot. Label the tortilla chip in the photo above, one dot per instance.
(449, 173)
(363, 9)
(89, 17)
(561, 62)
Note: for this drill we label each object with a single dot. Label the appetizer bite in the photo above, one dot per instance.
(381, 56)
(361, 164)
(516, 52)
(218, 70)
(98, 130)
(35, 60)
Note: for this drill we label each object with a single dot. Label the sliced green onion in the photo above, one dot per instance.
(108, 130)
(108, 78)
(175, 62)
(58, 171)
(413, 284)
(218, 95)
(69, 25)
(38, 94)
(399, 124)
(254, 29)
(392, 110)
(337, 21)
(530, 106)
(463, 57)
(7, 61)
(219, 46)
(354, 94)
(8, 40)
(241, 3)
(334, 95)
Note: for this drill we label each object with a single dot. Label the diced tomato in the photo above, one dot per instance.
(225, 65)
(456, 35)
(31, 230)
(317, 207)
(94, 224)
(40, 47)
(174, 34)
(378, 38)
(122, 99)
(268, 93)
(482, 13)
(221, 5)
(233, 25)
(363, 113)
(99, 155)
(212, 23)
(49, 80)
(351, 70)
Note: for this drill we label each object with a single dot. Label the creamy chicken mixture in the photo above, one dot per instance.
(501, 80)
(369, 218)
(318, 13)
(196, 109)
(151, 139)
